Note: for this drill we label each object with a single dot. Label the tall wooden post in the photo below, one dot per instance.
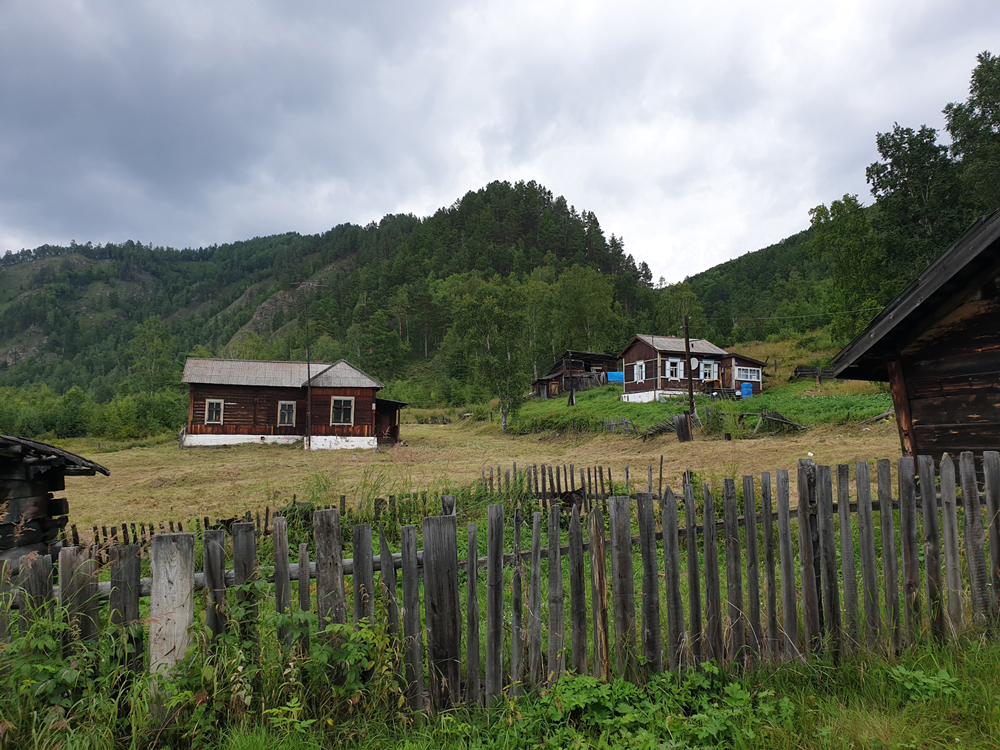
(687, 371)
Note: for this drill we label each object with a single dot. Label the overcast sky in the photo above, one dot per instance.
(695, 131)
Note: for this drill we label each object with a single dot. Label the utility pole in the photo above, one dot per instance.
(309, 387)
(689, 370)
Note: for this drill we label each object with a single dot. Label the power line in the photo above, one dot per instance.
(820, 315)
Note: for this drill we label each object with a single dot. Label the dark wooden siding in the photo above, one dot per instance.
(254, 411)
(639, 351)
(952, 376)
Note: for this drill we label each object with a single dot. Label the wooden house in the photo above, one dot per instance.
(30, 515)
(240, 401)
(654, 366)
(577, 371)
(938, 346)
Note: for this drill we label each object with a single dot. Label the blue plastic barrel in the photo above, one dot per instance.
(746, 390)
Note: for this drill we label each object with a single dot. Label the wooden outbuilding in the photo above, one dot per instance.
(244, 401)
(577, 371)
(938, 346)
(31, 517)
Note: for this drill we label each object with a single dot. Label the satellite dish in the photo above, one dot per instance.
(694, 362)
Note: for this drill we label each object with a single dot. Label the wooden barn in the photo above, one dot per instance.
(938, 346)
(30, 515)
(242, 401)
(576, 371)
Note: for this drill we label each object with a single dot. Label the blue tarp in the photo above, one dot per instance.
(616, 377)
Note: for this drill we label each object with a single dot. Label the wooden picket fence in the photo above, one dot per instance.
(751, 596)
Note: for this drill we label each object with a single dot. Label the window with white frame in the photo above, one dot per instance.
(672, 369)
(286, 413)
(213, 410)
(342, 410)
(709, 370)
(748, 373)
(640, 371)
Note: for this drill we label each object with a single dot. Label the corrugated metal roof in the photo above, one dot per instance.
(275, 374)
(676, 344)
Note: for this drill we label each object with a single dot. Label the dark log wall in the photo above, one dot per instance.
(952, 382)
(639, 351)
(254, 411)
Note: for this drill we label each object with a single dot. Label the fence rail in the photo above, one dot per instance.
(826, 577)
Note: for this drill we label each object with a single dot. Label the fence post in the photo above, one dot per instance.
(599, 595)
(810, 587)
(412, 632)
(975, 552)
(245, 572)
(734, 575)
(890, 563)
(755, 638)
(713, 586)
(557, 610)
(388, 567)
(282, 578)
(789, 616)
(441, 610)
(949, 529)
(652, 638)
(694, 575)
(869, 571)
(330, 602)
(828, 558)
(78, 590)
(991, 471)
(672, 581)
(908, 541)
(171, 599)
(771, 607)
(125, 599)
(932, 548)
(472, 618)
(850, 572)
(535, 603)
(623, 587)
(305, 606)
(517, 611)
(364, 575)
(214, 564)
(577, 594)
(494, 603)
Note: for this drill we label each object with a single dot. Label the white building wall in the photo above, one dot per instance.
(319, 442)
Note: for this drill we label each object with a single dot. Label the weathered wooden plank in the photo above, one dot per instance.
(772, 637)
(738, 651)
(932, 547)
(282, 579)
(245, 574)
(557, 610)
(78, 591)
(847, 562)
(622, 588)
(755, 635)
(652, 638)
(789, 617)
(599, 595)
(991, 490)
(828, 559)
(214, 563)
(975, 538)
(869, 564)
(890, 562)
(171, 600)
(442, 612)
(364, 574)
(412, 632)
(331, 603)
(949, 533)
(494, 603)
(810, 588)
(577, 594)
(389, 584)
(305, 605)
(696, 636)
(715, 650)
(517, 635)
(535, 666)
(472, 692)
(908, 541)
(125, 572)
(672, 582)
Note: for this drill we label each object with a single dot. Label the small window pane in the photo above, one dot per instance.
(213, 412)
(286, 413)
(341, 411)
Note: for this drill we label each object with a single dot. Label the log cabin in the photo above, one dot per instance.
(576, 371)
(938, 346)
(241, 401)
(654, 367)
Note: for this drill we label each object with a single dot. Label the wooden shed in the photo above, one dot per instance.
(244, 401)
(576, 371)
(938, 346)
(30, 514)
